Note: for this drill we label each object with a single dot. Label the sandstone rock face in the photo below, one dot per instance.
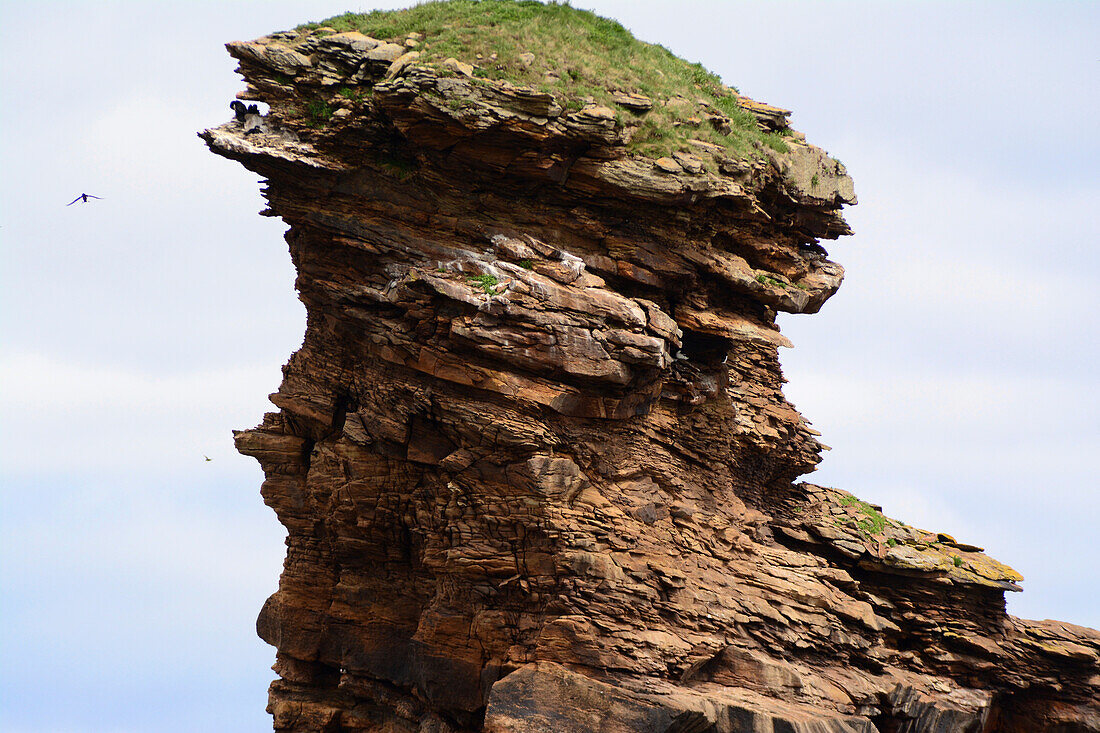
(533, 456)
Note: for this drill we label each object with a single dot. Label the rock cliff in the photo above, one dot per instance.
(533, 456)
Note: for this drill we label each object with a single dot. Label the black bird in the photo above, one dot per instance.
(253, 120)
(83, 198)
(248, 116)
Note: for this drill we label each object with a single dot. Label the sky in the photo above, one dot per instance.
(954, 374)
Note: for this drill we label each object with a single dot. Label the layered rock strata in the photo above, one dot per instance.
(533, 456)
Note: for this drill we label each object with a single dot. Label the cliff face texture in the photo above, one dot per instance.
(533, 456)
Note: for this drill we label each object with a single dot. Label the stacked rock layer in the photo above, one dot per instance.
(533, 456)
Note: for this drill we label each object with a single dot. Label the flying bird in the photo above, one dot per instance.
(207, 457)
(83, 198)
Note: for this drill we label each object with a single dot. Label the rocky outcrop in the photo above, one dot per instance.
(533, 456)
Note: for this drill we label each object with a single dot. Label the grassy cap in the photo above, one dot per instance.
(582, 59)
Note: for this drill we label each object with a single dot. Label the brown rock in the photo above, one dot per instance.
(668, 165)
(388, 52)
(637, 102)
(455, 65)
(401, 63)
(534, 459)
(687, 161)
(352, 40)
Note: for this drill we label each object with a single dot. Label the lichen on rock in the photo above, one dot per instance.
(533, 456)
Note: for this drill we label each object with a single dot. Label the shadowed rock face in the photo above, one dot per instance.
(533, 456)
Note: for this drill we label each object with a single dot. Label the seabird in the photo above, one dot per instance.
(253, 120)
(83, 198)
(249, 116)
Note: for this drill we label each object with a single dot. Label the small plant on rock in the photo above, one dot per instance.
(488, 283)
(874, 521)
(768, 280)
(397, 166)
(320, 112)
(353, 94)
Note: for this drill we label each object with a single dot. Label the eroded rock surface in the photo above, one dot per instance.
(533, 456)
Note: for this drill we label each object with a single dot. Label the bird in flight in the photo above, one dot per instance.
(83, 198)
(208, 458)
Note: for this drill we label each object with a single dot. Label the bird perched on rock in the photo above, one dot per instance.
(83, 198)
(249, 116)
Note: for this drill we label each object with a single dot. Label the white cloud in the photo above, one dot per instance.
(1002, 404)
(61, 416)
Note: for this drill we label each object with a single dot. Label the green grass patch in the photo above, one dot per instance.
(487, 283)
(768, 280)
(579, 57)
(874, 521)
(354, 95)
(319, 112)
(396, 166)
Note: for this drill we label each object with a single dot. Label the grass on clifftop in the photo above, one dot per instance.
(579, 57)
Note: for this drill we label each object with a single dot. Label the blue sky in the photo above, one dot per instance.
(953, 374)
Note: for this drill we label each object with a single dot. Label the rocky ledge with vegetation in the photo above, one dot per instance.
(533, 456)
